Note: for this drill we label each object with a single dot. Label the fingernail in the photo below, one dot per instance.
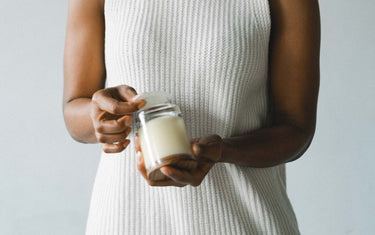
(141, 104)
(164, 170)
(126, 143)
(196, 149)
(135, 97)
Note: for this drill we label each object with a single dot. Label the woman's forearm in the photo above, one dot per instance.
(78, 120)
(266, 147)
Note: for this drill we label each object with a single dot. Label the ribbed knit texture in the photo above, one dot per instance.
(211, 56)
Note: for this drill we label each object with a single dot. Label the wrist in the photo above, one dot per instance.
(225, 150)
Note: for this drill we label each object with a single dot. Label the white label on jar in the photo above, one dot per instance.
(167, 136)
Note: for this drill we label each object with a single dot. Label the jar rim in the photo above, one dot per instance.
(154, 98)
(156, 108)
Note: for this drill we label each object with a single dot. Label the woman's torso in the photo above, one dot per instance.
(211, 56)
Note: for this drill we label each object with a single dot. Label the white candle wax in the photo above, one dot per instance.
(166, 137)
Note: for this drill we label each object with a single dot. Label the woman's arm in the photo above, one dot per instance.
(294, 77)
(84, 70)
(93, 114)
(294, 83)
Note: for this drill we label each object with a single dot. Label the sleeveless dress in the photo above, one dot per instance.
(211, 56)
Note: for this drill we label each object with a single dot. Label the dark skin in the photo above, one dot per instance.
(94, 114)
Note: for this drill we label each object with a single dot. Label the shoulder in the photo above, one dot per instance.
(293, 9)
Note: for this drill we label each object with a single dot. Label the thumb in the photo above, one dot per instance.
(126, 92)
(197, 149)
(129, 94)
(208, 147)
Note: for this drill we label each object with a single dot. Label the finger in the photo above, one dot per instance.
(211, 139)
(138, 103)
(188, 165)
(128, 93)
(204, 169)
(207, 147)
(179, 176)
(105, 102)
(194, 178)
(205, 166)
(141, 165)
(206, 140)
(137, 144)
(200, 152)
(163, 183)
(197, 146)
(197, 149)
(113, 126)
(112, 138)
(127, 119)
(194, 140)
(200, 175)
(115, 148)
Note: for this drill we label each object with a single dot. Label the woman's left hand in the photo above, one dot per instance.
(207, 151)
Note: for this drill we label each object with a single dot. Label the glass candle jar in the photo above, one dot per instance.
(162, 135)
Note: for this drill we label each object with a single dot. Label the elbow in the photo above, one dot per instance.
(305, 136)
(68, 124)
(68, 120)
(75, 136)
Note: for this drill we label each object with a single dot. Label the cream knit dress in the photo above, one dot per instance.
(211, 56)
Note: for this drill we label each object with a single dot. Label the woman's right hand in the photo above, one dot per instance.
(111, 114)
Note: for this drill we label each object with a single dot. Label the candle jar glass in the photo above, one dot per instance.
(162, 135)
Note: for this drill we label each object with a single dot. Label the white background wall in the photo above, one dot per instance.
(46, 178)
